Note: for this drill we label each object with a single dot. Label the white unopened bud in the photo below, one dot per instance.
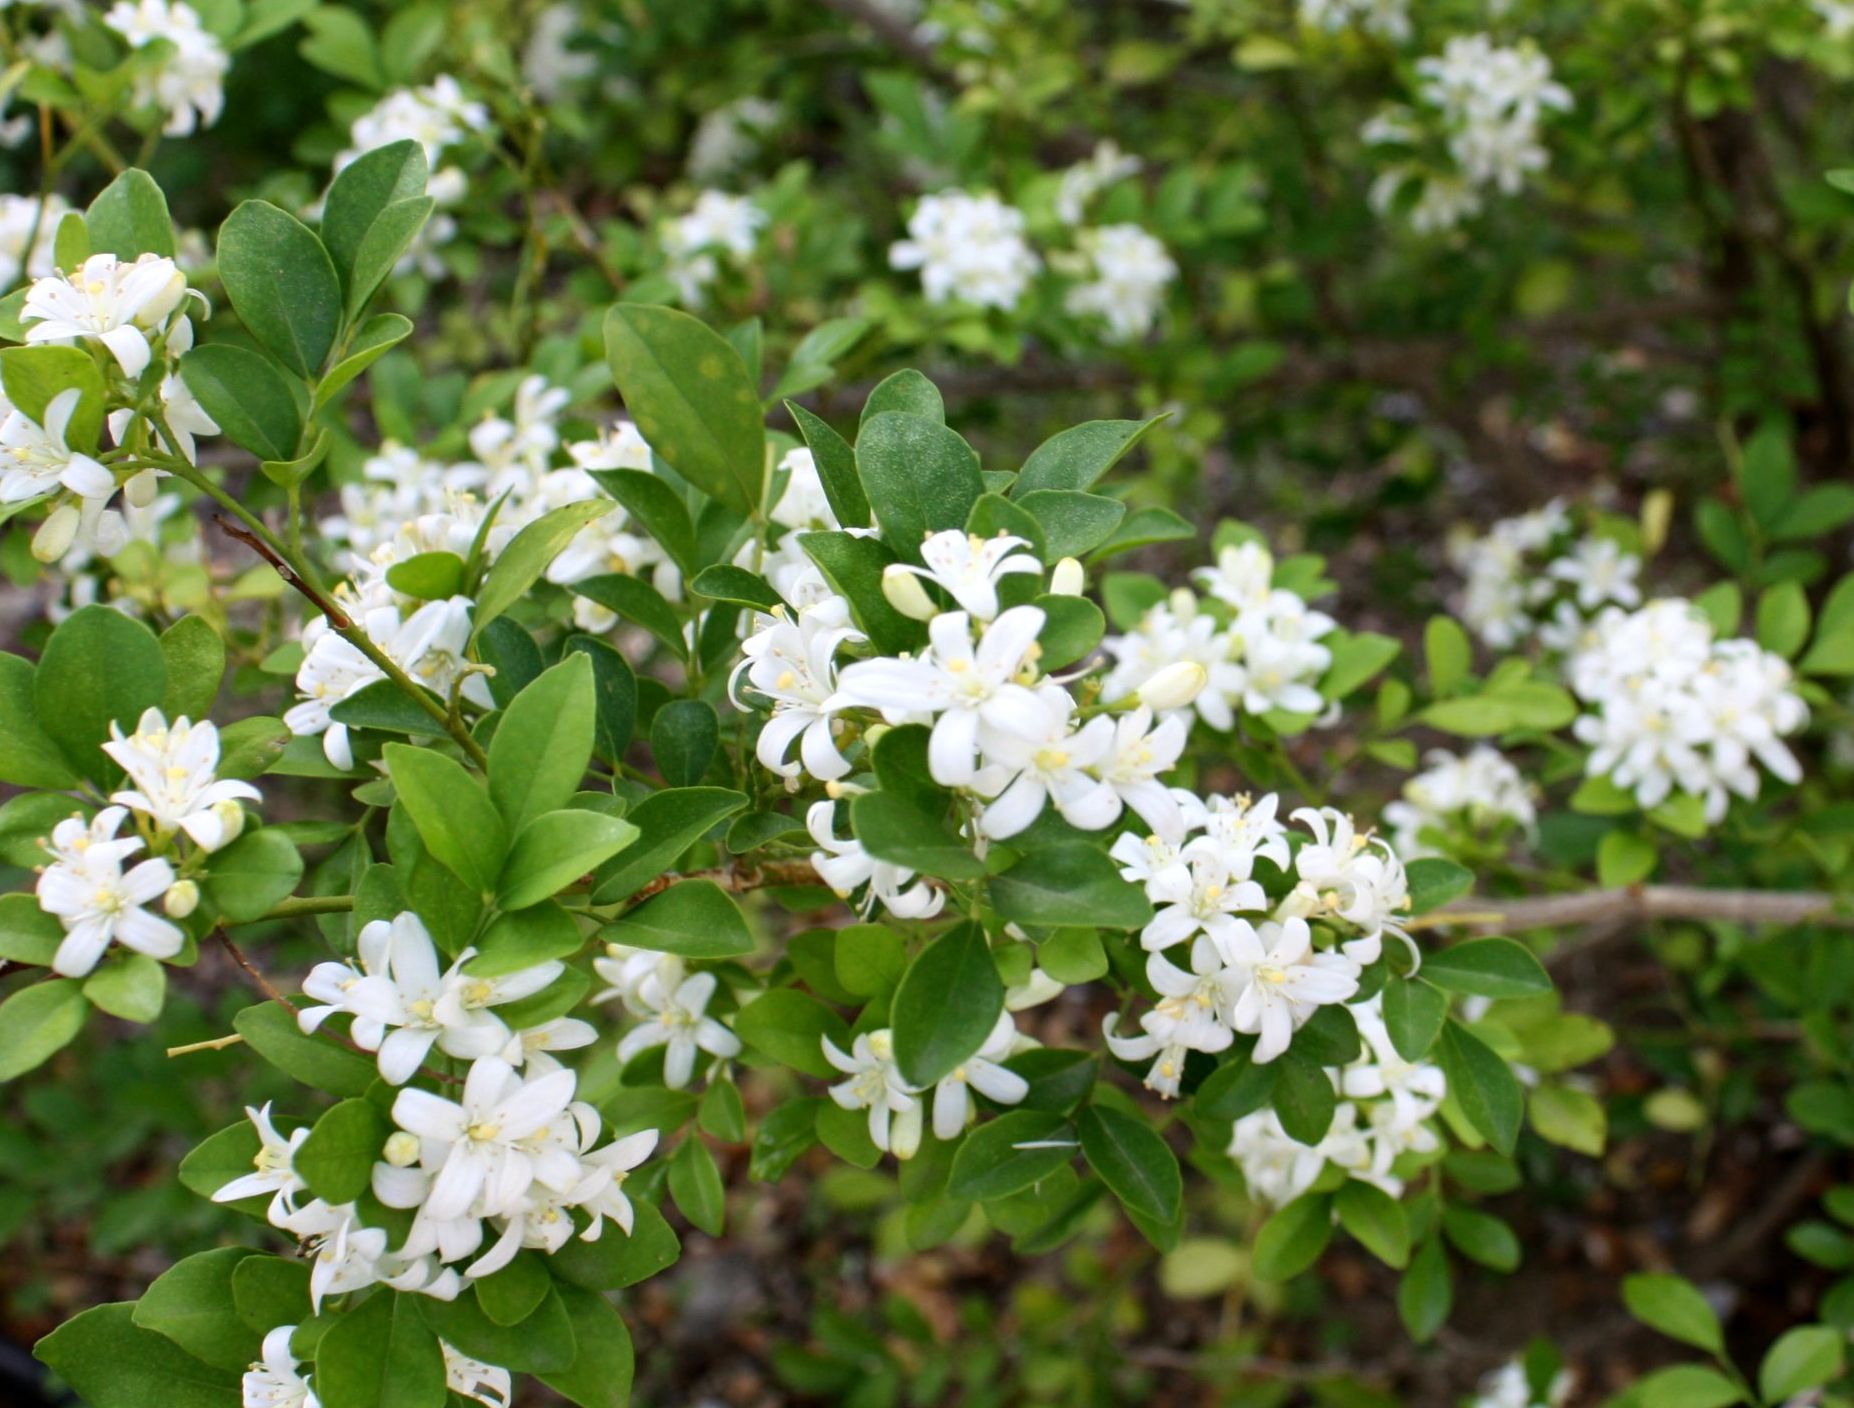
(906, 594)
(1183, 602)
(182, 898)
(1067, 579)
(1298, 903)
(1174, 687)
(56, 533)
(231, 821)
(141, 489)
(401, 1149)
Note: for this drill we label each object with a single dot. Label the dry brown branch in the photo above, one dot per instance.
(1641, 903)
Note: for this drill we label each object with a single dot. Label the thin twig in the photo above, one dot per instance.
(1645, 902)
(336, 616)
(218, 1043)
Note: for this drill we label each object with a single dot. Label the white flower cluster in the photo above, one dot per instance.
(671, 1004)
(135, 311)
(1105, 166)
(515, 1157)
(1668, 707)
(1385, 1109)
(1480, 790)
(1258, 644)
(1533, 576)
(1255, 965)
(729, 136)
(188, 82)
(277, 1380)
(718, 227)
(1388, 19)
(896, 1108)
(439, 117)
(1508, 1387)
(1130, 273)
(406, 505)
(967, 247)
(21, 224)
(173, 792)
(1490, 100)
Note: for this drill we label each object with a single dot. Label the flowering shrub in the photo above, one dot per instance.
(521, 689)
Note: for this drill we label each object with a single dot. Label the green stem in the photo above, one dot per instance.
(308, 904)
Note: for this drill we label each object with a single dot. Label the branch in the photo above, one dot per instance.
(733, 879)
(336, 616)
(1642, 903)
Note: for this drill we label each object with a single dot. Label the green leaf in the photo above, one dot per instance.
(1804, 1358)
(836, 465)
(244, 391)
(314, 1060)
(511, 1295)
(853, 566)
(1625, 858)
(191, 1304)
(1072, 628)
(337, 1158)
(655, 505)
(1446, 654)
(1783, 619)
(36, 1022)
(385, 243)
(34, 376)
(129, 218)
(614, 695)
(1292, 1240)
(1075, 458)
(692, 399)
(524, 938)
(1482, 1237)
(102, 1355)
(892, 828)
(946, 1005)
(452, 811)
(725, 582)
(919, 477)
(379, 335)
(635, 600)
(683, 738)
(1413, 1013)
(788, 1026)
(1357, 656)
(615, 1260)
(601, 1373)
(993, 1162)
(695, 1184)
(251, 875)
(556, 849)
(1686, 1386)
(1486, 1088)
(381, 1354)
(195, 656)
(29, 757)
(1376, 1219)
(541, 1344)
(1674, 1306)
(1133, 1161)
(668, 824)
(71, 243)
(429, 576)
(1073, 523)
(384, 705)
(520, 565)
(543, 743)
(360, 195)
(281, 283)
(695, 918)
(1068, 883)
(27, 933)
(869, 959)
(1434, 882)
(268, 1291)
(128, 985)
(98, 667)
(1427, 1292)
(1568, 1117)
(907, 391)
(1304, 1098)
(1487, 968)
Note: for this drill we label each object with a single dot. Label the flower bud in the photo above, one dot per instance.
(141, 489)
(401, 1149)
(1183, 602)
(1174, 687)
(231, 818)
(1067, 579)
(56, 533)
(182, 898)
(906, 594)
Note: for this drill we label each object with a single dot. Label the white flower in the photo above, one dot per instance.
(1082, 182)
(533, 1047)
(272, 1382)
(1508, 1387)
(967, 247)
(718, 225)
(481, 1149)
(38, 460)
(1198, 893)
(875, 1084)
(981, 1071)
(172, 771)
(21, 221)
(963, 685)
(793, 663)
(1601, 572)
(1131, 273)
(1356, 877)
(674, 1009)
(275, 1171)
(969, 568)
(188, 83)
(550, 63)
(1481, 789)
(1389, 19)
(97, 902)
(1278, 1168)
(1136, 757)
(1287, 981)
(803, 502)
(845, 866)
(1052, 765)
(479, 1382)
(116, 303)
(437, 116)
(1189, 1016)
